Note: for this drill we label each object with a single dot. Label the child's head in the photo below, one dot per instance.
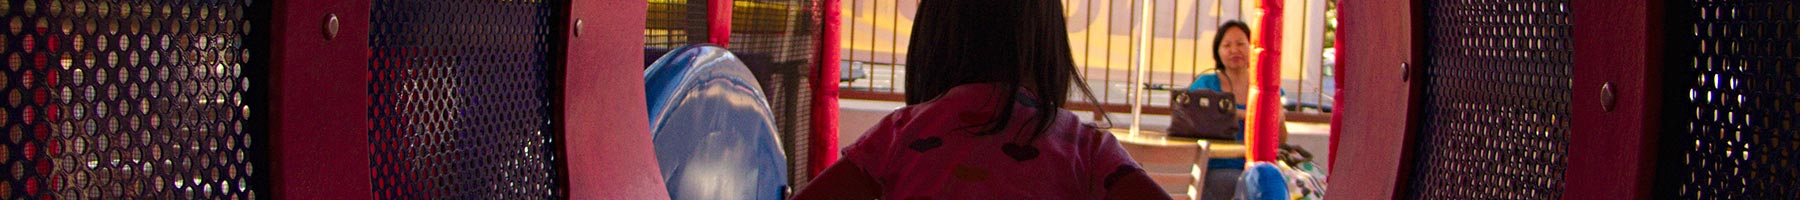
(1016, 44)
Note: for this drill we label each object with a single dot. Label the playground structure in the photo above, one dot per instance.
(391, 99)
(420, 99)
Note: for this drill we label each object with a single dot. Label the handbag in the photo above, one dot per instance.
(1204, 114)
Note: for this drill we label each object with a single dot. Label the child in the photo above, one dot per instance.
(986, 83)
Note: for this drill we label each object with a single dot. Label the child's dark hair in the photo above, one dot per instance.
(1219, 37)
(1009, 43)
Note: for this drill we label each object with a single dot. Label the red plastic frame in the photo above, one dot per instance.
(317, 121)
(1612, 153)
(1377, 98)
(605, 132)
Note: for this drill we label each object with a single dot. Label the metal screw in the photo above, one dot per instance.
(578, 27)
(331, 26)
(1405, 72)
(1607, 97)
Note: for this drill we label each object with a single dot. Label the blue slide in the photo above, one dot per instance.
(715, 136)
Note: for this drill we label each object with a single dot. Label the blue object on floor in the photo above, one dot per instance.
(714, 134)
(1263, 181)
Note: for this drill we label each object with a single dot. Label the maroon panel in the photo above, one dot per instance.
(1378, 116)
(607, 136)
(318, 101)
(1610, 151)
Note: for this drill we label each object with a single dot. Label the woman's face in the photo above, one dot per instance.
(1235, 49)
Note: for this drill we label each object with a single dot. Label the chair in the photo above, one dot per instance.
(1176, 165)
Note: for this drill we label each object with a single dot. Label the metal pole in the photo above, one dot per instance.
(1137, 86)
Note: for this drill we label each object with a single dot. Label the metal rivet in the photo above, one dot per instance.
(578, 27)
(1607, 97)
(331, 26)
(1405, 72)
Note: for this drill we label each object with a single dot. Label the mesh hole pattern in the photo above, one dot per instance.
(674, 23)
(1740, 134)
(1496, 100)
(124, 100)
(460, 105)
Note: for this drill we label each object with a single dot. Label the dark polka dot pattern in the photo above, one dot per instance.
(1019, 152)
(1120, 173)
(922, 145)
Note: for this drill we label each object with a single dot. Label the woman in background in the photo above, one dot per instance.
(1231, 52)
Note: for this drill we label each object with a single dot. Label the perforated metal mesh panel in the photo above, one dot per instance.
(674, 23)
(124, 100)
(1496, 100)
(460, 105)
(1739, 89)
(776, 39)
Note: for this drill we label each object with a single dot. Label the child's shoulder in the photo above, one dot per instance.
(1069, 127)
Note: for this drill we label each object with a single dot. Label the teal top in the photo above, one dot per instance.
(1206, 81)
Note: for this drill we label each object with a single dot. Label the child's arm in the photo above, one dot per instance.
(849, 178)
(1116, 174)
(844, 180)
(1134, 184)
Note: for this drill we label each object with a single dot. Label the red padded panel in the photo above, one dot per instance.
(1377, 113)
(607, 130)
(318, 101)
(1616, 41)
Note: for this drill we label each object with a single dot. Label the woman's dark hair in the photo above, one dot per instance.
(1009, 43)
(1220, 38)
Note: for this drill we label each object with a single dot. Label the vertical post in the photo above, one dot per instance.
(825, 89)
(1264, 125)
(718, 22)
(1139, 61)
(1337, 95)
(1620, 45)
(606, 136)
(316, 112)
